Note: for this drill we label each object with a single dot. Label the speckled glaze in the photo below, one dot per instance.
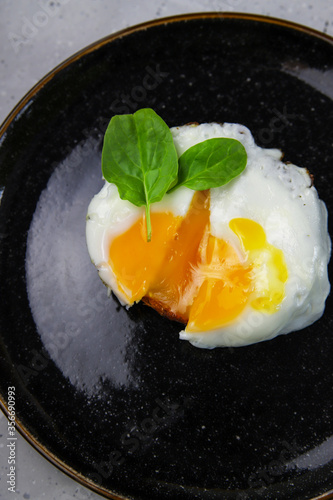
(112, 396)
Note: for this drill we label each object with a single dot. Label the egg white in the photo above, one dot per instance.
(278, 196)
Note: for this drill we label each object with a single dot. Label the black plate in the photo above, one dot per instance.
(110, 396)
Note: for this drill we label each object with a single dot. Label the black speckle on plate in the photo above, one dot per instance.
(111, 396)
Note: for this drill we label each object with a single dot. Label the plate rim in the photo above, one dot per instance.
(23, 102)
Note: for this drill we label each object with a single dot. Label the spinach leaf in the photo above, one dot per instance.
(211, 163)
(140, 158)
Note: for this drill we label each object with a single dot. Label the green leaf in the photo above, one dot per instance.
(140, 158)
(211, 163)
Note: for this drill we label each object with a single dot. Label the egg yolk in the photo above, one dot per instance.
(136, 262)
(189, 275)
(225, 289)
(268, 263)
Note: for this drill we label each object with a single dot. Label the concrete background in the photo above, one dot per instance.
(35, 36)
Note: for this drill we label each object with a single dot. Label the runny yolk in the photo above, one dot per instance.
(229, 285)
(226, 286)
(187, 274)
(269, 262)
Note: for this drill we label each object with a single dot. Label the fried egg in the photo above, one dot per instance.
(237, 264)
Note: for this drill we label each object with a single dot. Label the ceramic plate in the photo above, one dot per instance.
(113, 397)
